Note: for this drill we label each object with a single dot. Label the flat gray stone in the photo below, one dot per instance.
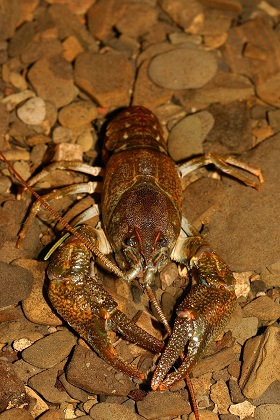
(183, 68)
(50, 350)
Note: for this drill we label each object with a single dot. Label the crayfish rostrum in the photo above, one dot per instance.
(142, 224)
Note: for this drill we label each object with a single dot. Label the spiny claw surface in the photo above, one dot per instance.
(200, 317)
(89, 309)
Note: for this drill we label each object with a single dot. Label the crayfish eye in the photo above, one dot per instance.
(163, 242)
(131, 241)
(160, 241)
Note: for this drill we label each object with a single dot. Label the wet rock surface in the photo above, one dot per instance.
(210, 71)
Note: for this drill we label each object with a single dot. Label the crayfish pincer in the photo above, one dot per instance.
(142, 224)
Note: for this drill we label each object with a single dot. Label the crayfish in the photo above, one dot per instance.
(142, 224)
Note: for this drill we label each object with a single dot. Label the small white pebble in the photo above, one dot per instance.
(243, 410)
(21, 344)
(67, 151)
(33, 112)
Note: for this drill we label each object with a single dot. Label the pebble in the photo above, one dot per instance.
(102, 17)
(78, 8)
(5, 184)
(243, 410)
(162, 404)
(168, 303)
(144, 19)
(267, 91)
(230, 119)
(23, 39)
(89, 372)
(242, 283)
(52, 79)
(99, 76)
(263, 308)
(223, 88)
(187, 136)
(178, 12)
(18, 81)
(62, 135)
(21, 344)
(219, 394)
(9, 15)
(267, 412)
(25, 370)
(215, 362)
(54, 414)
(33, 111)
(3, 52)
(15, 284)
(246, 328)
(16, 414)
(270, 396)
(235, 391)
(267, 41)
(23, 169)
(271, 275)
(204, 415)
(35, 307)
(13, 100)
(183, 68)
(50, 350)
(274, 119)
(4, 120)
(168, 275)
(74, 392)
(86, 140)
(12, 392)
(11, 217)
(67, 151)
(147, 93)
(77, 114)
(45, 383)
(261, 363)
(111, 411)
(72, 48)
(40, 405)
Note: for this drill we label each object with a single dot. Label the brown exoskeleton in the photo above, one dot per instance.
(143, 225)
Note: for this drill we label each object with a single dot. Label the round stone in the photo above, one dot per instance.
(183, 68)
(33, 112)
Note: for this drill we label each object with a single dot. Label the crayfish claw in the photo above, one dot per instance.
(202, 314)
(98, 338)
(200, 317)
(89, 309)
